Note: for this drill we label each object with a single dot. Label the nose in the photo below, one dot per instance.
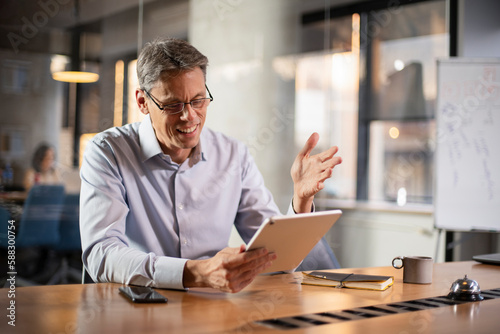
(188, 113)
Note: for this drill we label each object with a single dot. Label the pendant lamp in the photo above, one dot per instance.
(75, 76)
(77, 71)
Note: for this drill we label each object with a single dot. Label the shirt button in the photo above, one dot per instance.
(185, 242)
(181, 206)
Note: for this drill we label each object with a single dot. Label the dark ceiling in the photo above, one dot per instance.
(45, 25)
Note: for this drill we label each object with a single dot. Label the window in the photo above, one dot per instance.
(126, 110)
(402, 94)
(387, 116)
(326, 101)
(134, 114)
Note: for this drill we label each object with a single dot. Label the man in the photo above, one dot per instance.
(159, 198)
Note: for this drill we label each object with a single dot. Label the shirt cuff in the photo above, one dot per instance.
(291, 211)
(169, 273)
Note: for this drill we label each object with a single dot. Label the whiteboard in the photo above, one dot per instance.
(467, 174)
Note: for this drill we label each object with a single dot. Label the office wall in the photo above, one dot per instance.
(241, 39)
(369, 237)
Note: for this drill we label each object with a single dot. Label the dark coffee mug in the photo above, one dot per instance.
(417, 269)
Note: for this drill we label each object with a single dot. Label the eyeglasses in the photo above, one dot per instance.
(175, 108)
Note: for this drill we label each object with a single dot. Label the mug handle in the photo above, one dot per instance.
(398, 258)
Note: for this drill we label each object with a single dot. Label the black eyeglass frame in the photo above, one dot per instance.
(184, 103)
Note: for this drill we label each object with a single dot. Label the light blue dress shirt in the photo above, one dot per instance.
(143, 216)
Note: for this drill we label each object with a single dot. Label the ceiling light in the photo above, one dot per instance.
(75, 76)
(394, 132)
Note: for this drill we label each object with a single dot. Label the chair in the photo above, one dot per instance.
(39, 227)
(86, 279)
(320, 257)
(70, 243)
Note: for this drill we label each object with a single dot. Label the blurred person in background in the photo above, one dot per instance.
(43, 169)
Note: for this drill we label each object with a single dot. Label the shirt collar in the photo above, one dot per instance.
(147, 139)
(150, 146)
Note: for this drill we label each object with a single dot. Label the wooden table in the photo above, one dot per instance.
(99, 308)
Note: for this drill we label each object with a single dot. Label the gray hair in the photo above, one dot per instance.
(167, 55)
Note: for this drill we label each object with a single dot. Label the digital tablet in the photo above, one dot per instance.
(292, 237)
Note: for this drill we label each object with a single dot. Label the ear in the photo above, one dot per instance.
(140, 98)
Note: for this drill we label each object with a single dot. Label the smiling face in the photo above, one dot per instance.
(177, 134)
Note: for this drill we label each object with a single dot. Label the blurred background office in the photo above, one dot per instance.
(360, 73)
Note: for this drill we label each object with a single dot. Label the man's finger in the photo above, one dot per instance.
(240, 258)
(310, 144)
(249, 270)
(331, 163)
(328, 154)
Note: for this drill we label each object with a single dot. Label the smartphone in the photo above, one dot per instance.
(142, 294)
